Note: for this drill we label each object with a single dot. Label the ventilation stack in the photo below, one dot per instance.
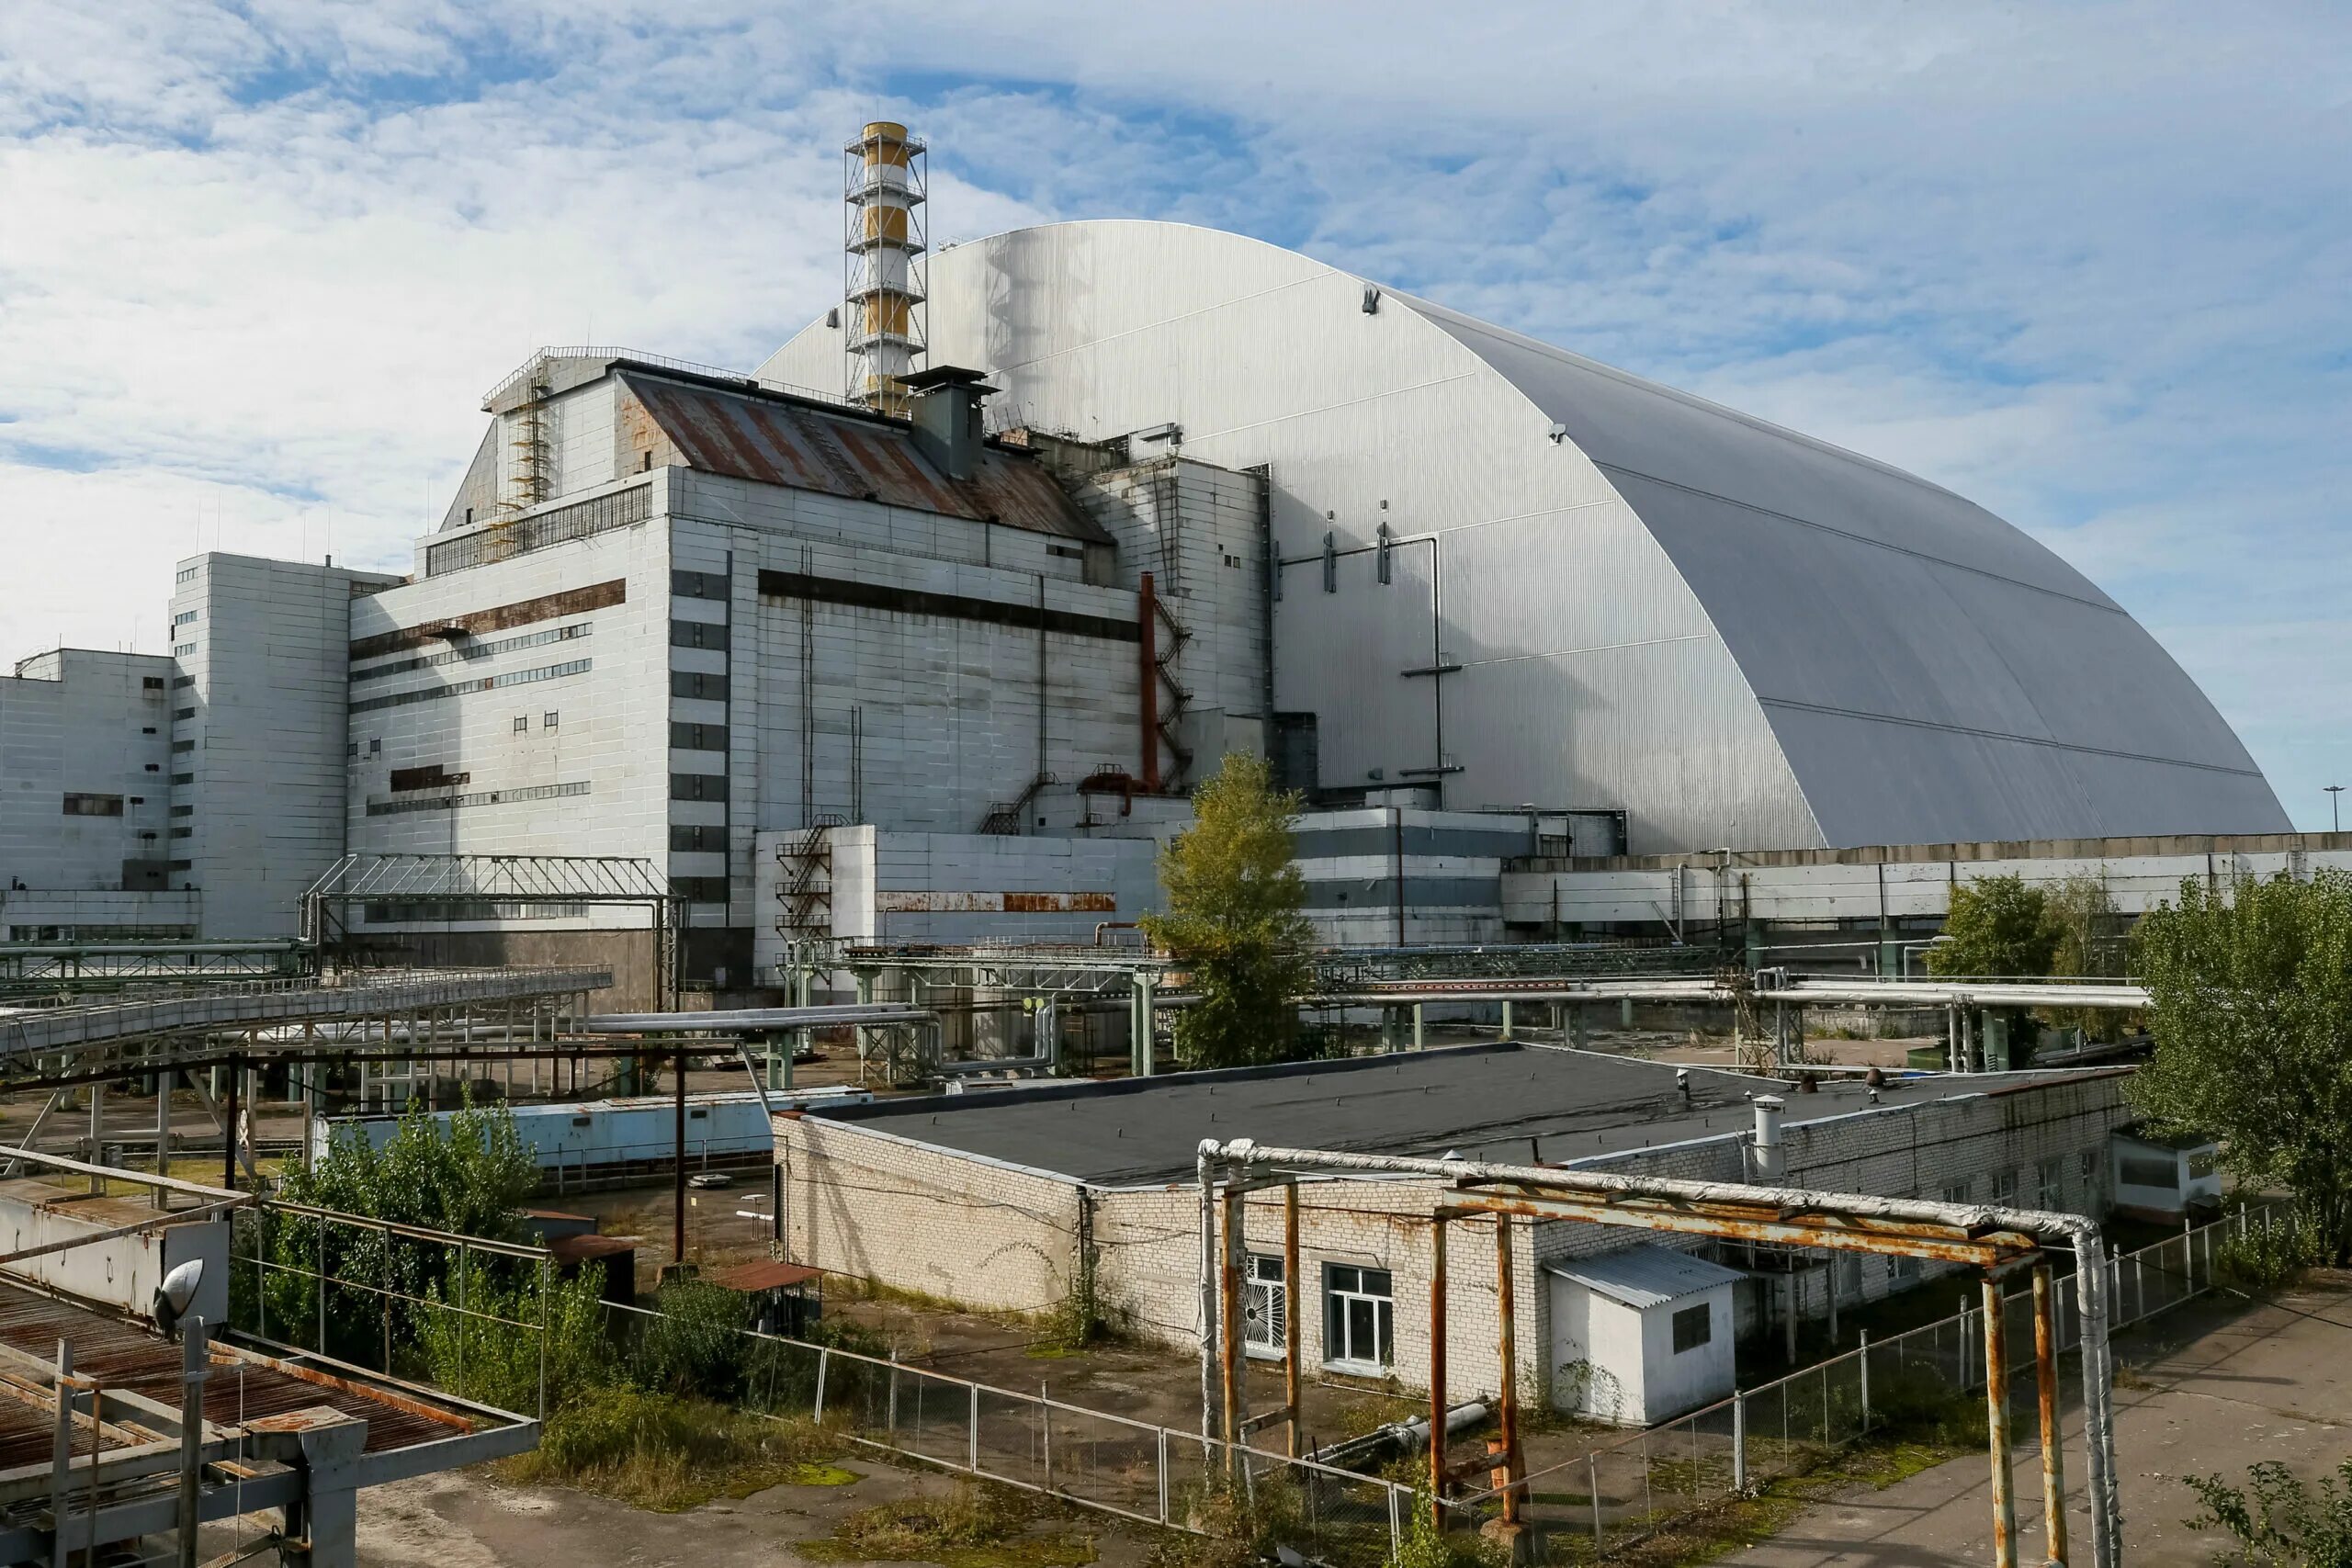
(883, 277)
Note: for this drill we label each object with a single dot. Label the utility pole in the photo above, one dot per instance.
(2334, 818)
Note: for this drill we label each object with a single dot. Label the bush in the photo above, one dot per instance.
(696, 1346)
(1919, 1407)
(2277, 1521)
(484, 1358)
(666, 1453)
(2268, 1257)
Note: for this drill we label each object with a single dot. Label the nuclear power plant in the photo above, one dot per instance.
(921, 632)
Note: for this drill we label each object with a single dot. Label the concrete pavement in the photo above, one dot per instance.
(2211, 1388)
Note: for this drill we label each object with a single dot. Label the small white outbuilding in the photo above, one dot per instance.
(1641, 1335)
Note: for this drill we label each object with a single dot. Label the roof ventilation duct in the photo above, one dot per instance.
(946, 409)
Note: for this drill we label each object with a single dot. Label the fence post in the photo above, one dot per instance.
(1862, 1359)
(544, 1291)
(1163, 1493)
(1739, 1441)
(387, 1298)
(1046, 1437)
(823, 1359)
(1592, 1470)
(973, 1441)
(890, 1412)
(320, 1226)
(465, 1324)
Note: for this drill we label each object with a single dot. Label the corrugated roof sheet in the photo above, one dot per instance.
(780, 441)
(1646, 1276)
(1930, 671)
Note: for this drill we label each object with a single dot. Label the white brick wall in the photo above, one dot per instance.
(989, 1235)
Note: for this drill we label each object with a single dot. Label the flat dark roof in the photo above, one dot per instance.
(1480, 1102)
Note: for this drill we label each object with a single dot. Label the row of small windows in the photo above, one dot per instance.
(184, 617)
(473, 650)
(93, 806)
(699, 584)
(546, 721)
(697, 840)
(179, 683)
(461, 688)
(697, 786)
(183, 651)
(700, 889)
(185, 576)
(695, 684)
(179, 714)
(698, 634)
(697, 736)
(479, 797)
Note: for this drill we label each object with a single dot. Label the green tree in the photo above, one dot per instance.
(2277, 1521)
(2250, 994)
(2089, 930)
(1997, 925)
(471, 1181)
(1233, 919)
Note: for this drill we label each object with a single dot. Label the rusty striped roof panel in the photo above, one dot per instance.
(784, 441)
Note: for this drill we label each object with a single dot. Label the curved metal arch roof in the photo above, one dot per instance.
(1926, 672)
(1917, 658)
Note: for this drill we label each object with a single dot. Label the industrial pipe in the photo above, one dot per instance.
(2075, 1230)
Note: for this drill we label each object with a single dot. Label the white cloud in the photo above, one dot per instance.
(2083, 264)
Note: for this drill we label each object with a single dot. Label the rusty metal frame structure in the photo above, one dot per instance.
(1998, 1241)
(456, 882)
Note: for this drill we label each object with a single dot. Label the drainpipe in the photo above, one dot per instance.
(1397, 844)
(1205, 1165)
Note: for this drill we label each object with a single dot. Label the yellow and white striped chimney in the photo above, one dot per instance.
(883, 277)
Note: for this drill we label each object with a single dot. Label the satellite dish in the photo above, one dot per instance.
(176, 1294)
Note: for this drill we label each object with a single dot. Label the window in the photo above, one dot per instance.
(1265, 1306)
(2086, 1168)
(183, 651)
(146, 730)
(546, 720)
(152, 682)
(1957, 1191)
(180, 778)
(94, 806)
(180, 746)
(699, 889)
(184, 617)
(698, 634)
(376, 746)
(137, 800)
(179, 683)
(693, 683)
(697, 786)
(522, 724)
(2203, 1164)
(2005, 1189)
(158, 767)
(180, 714)
(2049, 1185)
(699, 584)
(697, 839)
(183, 832)
(1694, 1326)
(185, 576)
(2159, 1171)
(183, 810)
(1359, 1318)
(698, 737)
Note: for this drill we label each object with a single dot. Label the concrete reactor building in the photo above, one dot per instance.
(922, 632)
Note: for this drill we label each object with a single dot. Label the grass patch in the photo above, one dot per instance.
(972, 1527)
(668, 1454)
(1735, 1524)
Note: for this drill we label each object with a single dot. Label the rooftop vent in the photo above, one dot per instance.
(946, 412)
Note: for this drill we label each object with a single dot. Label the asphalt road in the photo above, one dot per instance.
(2213, 1388)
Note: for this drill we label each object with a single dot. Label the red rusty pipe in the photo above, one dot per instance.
(1146, 616)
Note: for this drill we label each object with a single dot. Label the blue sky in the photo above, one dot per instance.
(2085, 264)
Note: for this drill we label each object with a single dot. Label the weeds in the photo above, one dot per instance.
(972, 1527)
(2278, 1519)
(2268, 1257)
(668, 1454)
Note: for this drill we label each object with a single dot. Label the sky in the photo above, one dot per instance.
(2089, 265)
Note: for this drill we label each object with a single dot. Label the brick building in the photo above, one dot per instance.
(999, 1200)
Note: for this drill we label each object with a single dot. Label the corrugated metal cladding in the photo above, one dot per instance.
(810, 447)
(1735, 634)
